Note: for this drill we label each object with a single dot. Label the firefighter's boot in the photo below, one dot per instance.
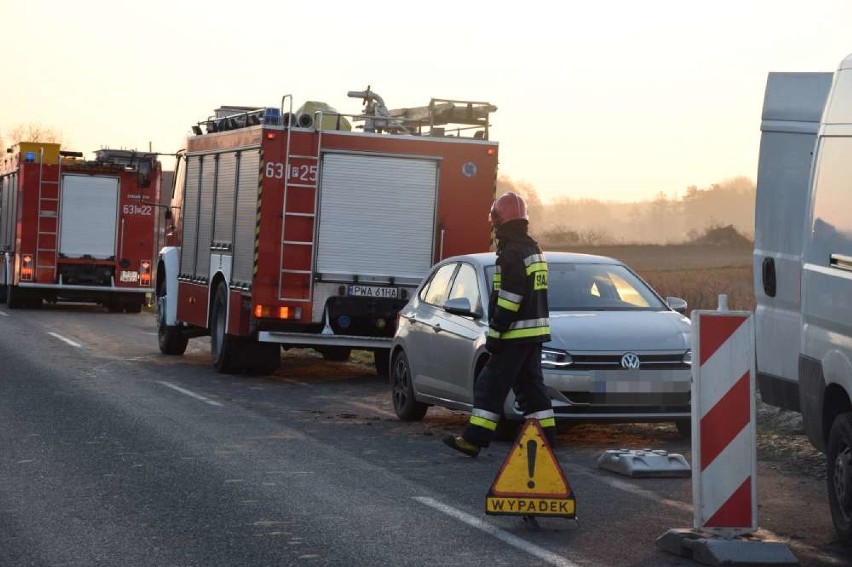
(461, 445)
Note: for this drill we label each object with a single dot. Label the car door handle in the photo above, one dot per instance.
(437, 328)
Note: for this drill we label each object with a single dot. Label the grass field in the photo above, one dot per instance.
(696, 273)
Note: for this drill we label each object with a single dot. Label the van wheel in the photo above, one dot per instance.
(224, 348)
(169, 337)
(839, 473)
(405, 405)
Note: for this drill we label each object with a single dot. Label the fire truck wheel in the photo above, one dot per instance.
(15, 297)
(134, 307)
(265, 358)
(381, 360)
(171, 340)
(114, 306)
(224, 348)
(335, 354)
(3, 293)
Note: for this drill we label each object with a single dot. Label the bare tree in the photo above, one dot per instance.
(33, 132)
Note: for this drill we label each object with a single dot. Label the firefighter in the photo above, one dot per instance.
(518, 324)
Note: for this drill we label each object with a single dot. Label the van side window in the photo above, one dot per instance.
(832, 217)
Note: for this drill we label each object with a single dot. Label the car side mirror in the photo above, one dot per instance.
(459, 306)
(677, 304)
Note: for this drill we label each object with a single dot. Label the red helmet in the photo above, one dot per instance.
(509, 206)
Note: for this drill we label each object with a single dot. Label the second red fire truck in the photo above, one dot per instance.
(295, 229)
(77, 230)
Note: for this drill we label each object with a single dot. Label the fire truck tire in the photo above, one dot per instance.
(15, 298)
(170, 338)
(114, 306)
(335, 354)
(135, 307)
(4, 292)
(381, 360)
(263, 358)
(224, 348)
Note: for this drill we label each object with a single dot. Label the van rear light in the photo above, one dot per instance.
(145, 273)
(27, 267)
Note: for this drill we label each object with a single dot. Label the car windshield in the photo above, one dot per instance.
(595, 287)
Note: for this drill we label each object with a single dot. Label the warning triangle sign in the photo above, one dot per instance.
(531, 482)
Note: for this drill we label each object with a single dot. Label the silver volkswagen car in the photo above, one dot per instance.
(619, 352)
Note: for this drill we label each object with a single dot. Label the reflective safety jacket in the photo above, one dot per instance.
(517, 310)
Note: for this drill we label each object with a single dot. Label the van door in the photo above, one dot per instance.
(792, 109)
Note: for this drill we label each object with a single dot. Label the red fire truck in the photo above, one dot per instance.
(312, 228)
(77, 230)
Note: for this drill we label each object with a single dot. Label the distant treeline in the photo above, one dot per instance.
(662, 220)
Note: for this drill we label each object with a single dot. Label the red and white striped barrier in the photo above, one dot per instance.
(724, 452)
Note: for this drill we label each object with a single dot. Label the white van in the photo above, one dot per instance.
(803, 265)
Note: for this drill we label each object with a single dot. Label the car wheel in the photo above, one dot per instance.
(169, 338)
(407, 408)
(684, 428)
(335, 354)
(839, 473)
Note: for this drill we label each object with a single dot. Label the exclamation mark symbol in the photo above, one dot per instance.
(531, 449)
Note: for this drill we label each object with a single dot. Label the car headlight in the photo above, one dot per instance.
(551, 358)
(687, 358)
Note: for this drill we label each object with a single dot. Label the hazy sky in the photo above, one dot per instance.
(612, 100)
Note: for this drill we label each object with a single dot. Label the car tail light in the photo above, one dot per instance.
(27, 267)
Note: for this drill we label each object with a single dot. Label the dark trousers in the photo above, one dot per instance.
(517, 368)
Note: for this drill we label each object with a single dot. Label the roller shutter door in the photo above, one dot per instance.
(89, 210)
(376, 216)
(246, 216)
(189, 221)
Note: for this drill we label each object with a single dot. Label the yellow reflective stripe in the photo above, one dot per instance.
(497, 281)
(493, 333)
(483, 423)
(524, 333)
(540, 415)
(513, 297)
(508, 305)
(537, 267)
(549, 422)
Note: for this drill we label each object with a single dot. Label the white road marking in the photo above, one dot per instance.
(190, 394)
(514, 541)
(63, 339)
(4, 314)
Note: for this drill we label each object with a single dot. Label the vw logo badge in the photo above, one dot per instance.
(630, 360)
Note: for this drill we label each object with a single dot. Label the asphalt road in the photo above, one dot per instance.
(112, 454)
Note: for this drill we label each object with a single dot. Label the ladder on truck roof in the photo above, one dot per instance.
(299, 214)
(47, 221)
